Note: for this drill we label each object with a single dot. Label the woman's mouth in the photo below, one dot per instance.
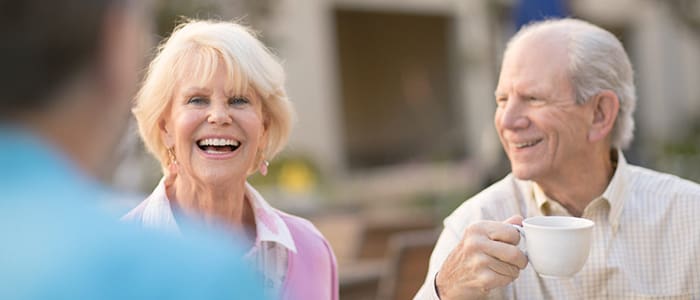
(218, 146)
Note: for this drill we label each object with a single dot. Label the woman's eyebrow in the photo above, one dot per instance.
(196, 90)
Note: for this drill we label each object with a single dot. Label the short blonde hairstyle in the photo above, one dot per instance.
(204, 44)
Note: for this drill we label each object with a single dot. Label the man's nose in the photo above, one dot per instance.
(514, 114)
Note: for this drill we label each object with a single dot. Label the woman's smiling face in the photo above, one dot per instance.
(217, 133)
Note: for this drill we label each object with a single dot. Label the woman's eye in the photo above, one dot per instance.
(196, 100)
(238, 101)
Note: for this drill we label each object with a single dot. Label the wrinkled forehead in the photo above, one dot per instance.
(197, 66)
(542, 45)
(535, 61)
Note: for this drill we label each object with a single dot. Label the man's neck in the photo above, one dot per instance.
(574, 191)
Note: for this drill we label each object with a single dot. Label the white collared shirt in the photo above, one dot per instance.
(269, 253)
(646, 239)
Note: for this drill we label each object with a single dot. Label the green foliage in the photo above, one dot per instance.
(682, 156)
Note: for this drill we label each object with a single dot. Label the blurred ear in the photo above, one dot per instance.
(122, 52)
(605, 107)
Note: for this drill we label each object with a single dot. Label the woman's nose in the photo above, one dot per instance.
(218, 114)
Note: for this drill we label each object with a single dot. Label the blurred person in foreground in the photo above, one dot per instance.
(213, 110)
(565, 100)
(68, 70)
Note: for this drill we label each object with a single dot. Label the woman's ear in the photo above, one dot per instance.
(165, 134)
(264, 142)
(606, 105)
(264, 137)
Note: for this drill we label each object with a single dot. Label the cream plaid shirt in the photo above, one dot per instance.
(646, 241)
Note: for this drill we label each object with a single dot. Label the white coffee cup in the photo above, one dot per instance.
(557, 246)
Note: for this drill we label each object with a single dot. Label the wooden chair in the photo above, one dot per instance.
(407, 264)
(344, 232)
(377, 233)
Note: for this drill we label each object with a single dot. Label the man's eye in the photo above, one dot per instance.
(535, 100)
(238, 101)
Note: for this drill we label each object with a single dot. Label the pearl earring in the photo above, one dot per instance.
(263, 167)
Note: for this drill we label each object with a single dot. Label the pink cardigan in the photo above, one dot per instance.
(311, 272)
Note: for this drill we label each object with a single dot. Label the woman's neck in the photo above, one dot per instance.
(215, 205)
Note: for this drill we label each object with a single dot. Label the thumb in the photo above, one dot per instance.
(515, 220)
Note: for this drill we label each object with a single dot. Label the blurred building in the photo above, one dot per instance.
(395, 112)
(400, 92)
(395, 97)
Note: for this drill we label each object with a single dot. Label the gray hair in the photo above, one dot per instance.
(597, 62)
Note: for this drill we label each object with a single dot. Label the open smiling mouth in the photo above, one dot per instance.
(218, 146)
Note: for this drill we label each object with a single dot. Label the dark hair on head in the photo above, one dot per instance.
(42, 45)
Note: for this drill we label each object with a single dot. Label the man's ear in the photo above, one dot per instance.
(122, 50)
(606, 105)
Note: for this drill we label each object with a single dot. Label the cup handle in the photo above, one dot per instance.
(521, 245)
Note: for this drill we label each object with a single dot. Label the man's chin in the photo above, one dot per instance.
(522, 172)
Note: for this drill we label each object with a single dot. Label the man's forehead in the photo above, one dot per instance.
(537, 48)
(547, 42)
(529, 87)
(534, 65)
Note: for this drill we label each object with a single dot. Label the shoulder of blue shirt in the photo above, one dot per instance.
(57, 243)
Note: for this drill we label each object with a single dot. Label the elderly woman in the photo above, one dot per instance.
(213, 111)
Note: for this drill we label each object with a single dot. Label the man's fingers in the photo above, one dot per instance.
(504, 233)
(506, 253)
(493, 277)
(515, 220)
(504, 269)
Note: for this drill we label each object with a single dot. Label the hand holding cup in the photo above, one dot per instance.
(487, 257)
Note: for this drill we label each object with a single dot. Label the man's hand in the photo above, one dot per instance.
(486, 258)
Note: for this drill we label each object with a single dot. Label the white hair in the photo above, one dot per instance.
(205, 45)
(597, 62)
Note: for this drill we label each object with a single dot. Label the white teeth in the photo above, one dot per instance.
(526, 144)
(218, 142)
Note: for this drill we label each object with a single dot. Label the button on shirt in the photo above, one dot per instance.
(269, 254)
(646, 238)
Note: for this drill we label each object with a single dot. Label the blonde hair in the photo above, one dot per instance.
(204, 44)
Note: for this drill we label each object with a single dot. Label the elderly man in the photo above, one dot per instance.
(68, 70)
(565, 100)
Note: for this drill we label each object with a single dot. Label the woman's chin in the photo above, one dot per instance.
(220, 177)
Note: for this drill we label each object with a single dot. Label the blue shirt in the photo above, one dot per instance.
(56, 243)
